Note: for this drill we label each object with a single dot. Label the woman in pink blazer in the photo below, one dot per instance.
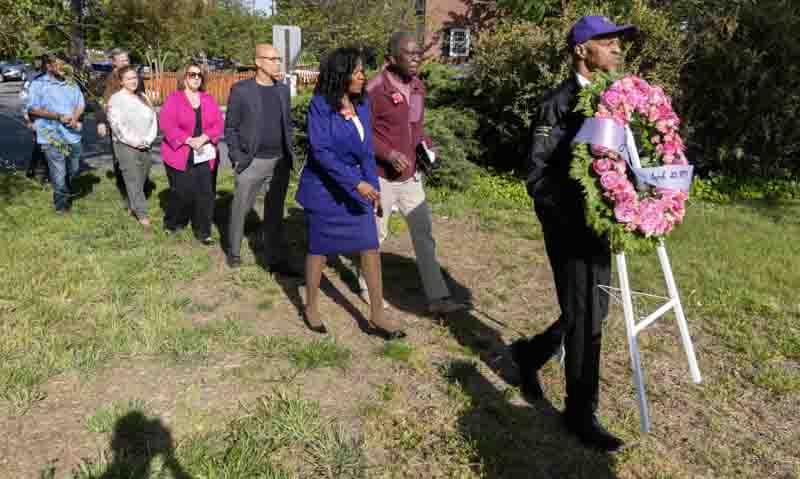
(192, 124)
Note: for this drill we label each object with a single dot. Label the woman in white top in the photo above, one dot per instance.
(134, 125)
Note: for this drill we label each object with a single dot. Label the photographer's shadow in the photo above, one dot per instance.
(136, 442)
(518, 441)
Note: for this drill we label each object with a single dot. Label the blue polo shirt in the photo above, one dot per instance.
(57, 96)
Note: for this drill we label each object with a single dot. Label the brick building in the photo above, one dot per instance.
(447, 27)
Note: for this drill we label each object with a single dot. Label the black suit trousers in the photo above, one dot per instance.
(580, 261)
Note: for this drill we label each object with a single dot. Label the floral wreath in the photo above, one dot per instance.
(633, 214)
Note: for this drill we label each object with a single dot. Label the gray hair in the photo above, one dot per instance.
(396, 42)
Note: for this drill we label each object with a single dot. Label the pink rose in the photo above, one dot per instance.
(601, 166)
(650, 216)
(624, 192)
(610, 180)
(627, 83)
(599, 151)
(625, 212)
(397, 98)
(611, 98)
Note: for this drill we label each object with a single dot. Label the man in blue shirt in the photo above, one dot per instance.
(37, 164)
(55, 105)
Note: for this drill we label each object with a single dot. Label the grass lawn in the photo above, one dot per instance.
(125, 353)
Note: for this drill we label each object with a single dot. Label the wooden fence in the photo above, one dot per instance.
(218, 84)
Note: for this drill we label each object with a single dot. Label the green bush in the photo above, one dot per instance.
(743, 86)
(724, 189)
(453, 132)
(300, 105)
(517, 61)
(443, 85)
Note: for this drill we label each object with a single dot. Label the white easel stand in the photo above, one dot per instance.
(633, 328)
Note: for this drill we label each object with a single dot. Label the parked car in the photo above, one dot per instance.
(13, 70)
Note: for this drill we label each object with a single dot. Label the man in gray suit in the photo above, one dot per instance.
(258, 131)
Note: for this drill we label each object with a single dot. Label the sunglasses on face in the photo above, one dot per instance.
(194, 75)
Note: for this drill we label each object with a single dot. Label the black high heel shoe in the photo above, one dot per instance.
(317, 327)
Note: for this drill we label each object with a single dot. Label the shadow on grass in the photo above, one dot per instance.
(137, 441)
(403, 290)
(520, 441)
(83, 185)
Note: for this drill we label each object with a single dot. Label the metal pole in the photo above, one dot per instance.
(682, 325)
(633, 345)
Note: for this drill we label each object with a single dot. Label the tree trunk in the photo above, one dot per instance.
(78, 44)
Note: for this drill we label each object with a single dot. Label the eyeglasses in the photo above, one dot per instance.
(195, 75)
(272, 59)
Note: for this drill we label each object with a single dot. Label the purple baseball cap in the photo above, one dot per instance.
(592, 26)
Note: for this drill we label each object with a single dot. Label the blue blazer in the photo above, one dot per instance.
(337, 161)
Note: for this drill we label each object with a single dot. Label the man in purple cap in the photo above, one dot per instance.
(579, 258)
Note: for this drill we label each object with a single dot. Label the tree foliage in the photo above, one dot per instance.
(518, 60)
(742, 87)
(328, 24)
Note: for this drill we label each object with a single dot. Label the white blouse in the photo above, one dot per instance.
(358, 126)
(133, 122)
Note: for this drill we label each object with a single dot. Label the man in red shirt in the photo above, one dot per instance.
(397, 104)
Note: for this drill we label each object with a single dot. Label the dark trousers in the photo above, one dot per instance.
(580, 261)
(37, 164)
(191, 197)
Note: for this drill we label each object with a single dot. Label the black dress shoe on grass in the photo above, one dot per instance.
(592, 434)
(528, 372)
(233, 261)
(282, 268)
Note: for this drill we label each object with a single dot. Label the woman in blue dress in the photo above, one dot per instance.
(339, 185)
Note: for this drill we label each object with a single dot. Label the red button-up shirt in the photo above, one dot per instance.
(397, 122)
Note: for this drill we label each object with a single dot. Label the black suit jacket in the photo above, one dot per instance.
(549, 183)
(245, 117)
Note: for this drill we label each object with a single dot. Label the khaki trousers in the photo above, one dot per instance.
(409, 197)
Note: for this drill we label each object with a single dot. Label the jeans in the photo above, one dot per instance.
(63, 162)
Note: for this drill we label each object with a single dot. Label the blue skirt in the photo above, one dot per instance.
(339, 234)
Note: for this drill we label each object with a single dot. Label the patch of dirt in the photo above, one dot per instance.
(508, 282)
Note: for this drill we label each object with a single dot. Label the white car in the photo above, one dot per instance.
(13, 71)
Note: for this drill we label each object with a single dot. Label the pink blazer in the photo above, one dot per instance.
(176, 121)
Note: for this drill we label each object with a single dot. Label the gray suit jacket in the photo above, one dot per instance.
(245, 116)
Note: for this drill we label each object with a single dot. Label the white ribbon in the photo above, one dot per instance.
(609, 134)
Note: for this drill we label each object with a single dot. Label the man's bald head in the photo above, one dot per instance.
(268, 64)
(266, 49)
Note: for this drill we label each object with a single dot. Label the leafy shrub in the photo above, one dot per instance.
(300, 105)
(445, 85)
(743, 86)
(724, 189)
(517, 61)
(453, 132)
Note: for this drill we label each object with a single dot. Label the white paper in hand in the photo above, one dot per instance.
(431, 153)
(206, 153)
